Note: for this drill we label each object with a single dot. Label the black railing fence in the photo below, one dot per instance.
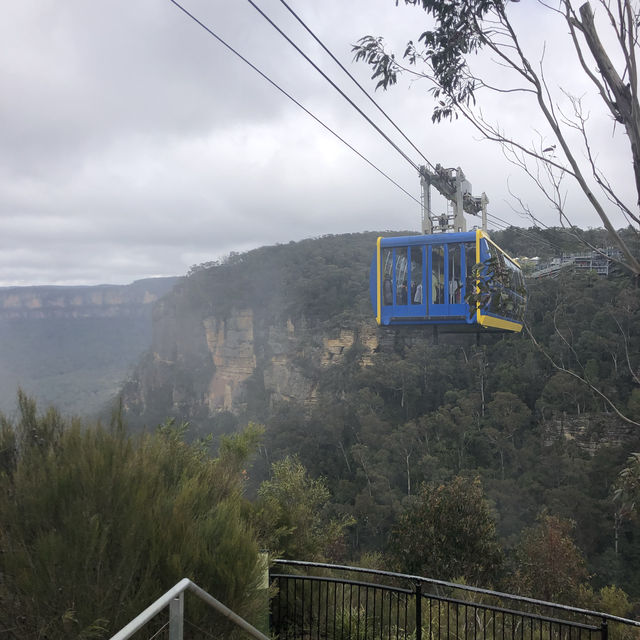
(314, 601)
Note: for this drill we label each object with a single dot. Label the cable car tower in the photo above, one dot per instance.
(456, 189)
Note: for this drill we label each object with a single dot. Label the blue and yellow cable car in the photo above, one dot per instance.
(453, 281)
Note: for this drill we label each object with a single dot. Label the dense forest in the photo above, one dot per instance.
(545, 419)
(507, 464)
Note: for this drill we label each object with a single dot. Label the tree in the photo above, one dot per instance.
(292, 514)
(448, 532)
(464, 28)
(627, 487)
(591, 325)
(97, 524)
(549, 564)
(506, 415)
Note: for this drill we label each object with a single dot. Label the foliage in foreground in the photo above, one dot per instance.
(448, 531)
(292, 515)
(96, 525)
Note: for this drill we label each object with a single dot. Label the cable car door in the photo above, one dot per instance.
(445, 282)
(404, 272)
(417, 288)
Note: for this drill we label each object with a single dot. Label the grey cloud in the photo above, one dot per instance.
(132, 144)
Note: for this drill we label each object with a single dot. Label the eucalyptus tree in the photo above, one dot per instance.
(448, 531)
(549, 564)
(564, 147)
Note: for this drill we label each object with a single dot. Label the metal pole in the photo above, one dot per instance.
(425, 183)
(263, 560)
(459, 223)
(604, 630)
(485, 201)
(176, 618)
(418, 611)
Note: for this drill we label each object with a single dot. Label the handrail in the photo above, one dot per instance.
(462, 587)
(163, 601)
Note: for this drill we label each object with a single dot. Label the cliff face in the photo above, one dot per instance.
(277, 324)
(589, 432)
(198, 369)
(255, 330)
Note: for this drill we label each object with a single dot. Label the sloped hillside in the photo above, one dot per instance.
(254, 330)
(285, 335)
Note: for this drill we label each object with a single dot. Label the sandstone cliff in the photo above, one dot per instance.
(196, 370)
(255, 331)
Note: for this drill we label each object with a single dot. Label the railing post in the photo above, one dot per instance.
(265, 624)
(176, 618)
(418, 593)
(604, 630)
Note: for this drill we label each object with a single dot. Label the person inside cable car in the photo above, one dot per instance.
(402, 293)
(454, 294)
(417, 297)
(437, 289)
(387, 291)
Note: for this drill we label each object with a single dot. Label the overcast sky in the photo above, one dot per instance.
(133, 144)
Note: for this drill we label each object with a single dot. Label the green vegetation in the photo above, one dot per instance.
(97, 524)
(292, 518)
(540, 434)
(475, 462)
(545, 425)
(448, 531)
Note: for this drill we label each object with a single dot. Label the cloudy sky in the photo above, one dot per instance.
(133, 144)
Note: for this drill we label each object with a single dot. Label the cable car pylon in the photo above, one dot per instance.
(452, 184)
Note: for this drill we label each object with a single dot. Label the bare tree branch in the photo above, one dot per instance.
(573, 374)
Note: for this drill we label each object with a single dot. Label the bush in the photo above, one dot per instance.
(97, 525)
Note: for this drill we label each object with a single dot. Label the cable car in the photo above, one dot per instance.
(456, 282)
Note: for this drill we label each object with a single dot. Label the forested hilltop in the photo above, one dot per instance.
(284, 335)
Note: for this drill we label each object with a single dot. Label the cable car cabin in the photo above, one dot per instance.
(453, 281)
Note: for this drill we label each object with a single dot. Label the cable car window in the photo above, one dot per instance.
(387, 276)
(416, 275)
(515, 303)
(401, 275)
(437, 274)
(507, 297)
(498, 284)
(469, 262)
(454, 274)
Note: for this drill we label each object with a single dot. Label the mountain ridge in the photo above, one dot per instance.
(73, 346)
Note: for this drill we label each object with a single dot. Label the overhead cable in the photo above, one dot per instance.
(279, 88)
(334, 85)
(366, 93)
(521, 232)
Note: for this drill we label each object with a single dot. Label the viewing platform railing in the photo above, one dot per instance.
(315, 601)
(174, 599)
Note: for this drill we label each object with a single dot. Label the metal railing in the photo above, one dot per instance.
(317, 601)
(174, 599)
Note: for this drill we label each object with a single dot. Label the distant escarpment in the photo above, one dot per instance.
(69, 302)
(73, 347)
(255, 330)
